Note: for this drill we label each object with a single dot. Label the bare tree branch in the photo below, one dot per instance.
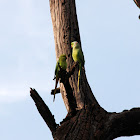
(64, 78)
(43, 110)
(137, 3)
(57, 91)
(126, 123)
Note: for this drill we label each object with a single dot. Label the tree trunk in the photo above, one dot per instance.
(65, 27)
(86, 120)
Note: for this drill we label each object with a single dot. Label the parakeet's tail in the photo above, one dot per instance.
(54, 95)
(55, 89)
(79, 78)
(78, 84)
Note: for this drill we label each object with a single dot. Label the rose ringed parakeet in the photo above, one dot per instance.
(60, 63)
(78, 56)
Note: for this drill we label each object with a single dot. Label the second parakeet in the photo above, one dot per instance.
(78, 56)
(60, 63)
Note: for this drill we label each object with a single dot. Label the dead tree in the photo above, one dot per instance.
(86, 119)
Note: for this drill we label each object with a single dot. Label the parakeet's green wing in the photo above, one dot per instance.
(63, 64)
(56, 68)
(57, 77)
(81, 64)
(81, 58)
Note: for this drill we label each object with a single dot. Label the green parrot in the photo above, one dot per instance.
(60, 63)
(78, 56)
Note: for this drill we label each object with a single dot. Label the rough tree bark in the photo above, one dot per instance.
(137, 3)
(86, 119)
